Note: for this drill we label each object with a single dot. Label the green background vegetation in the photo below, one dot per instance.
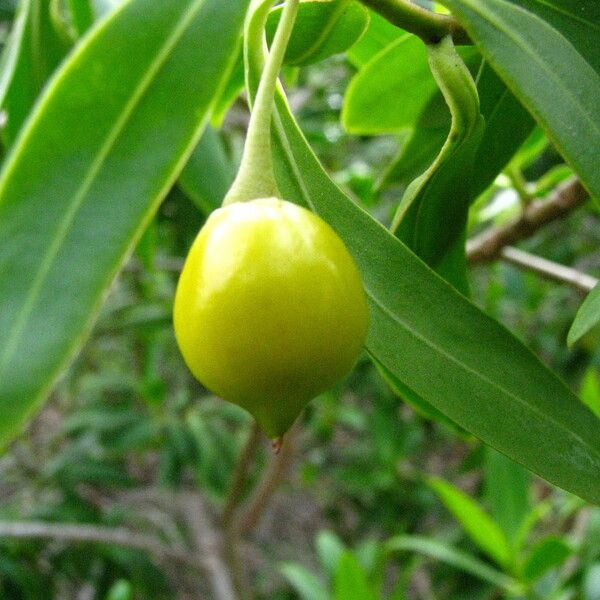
(122, 478)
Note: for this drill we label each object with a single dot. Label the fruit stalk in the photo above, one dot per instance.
(256, 176)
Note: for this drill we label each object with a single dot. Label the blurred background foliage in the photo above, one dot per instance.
(374, 501)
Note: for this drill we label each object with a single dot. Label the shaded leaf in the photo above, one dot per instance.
(208, 172)
(432, 215)
(545, 53)
(453, 557)
(547, 554)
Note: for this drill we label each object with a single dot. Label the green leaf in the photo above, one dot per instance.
(120, 590)
(507, 126)
(322, 29)
(379, 34)
(453, 557)
(436, 342)
(304, 582)
(415, 155)
(104, 146)
(591, 582)
(423, 407)
(547, 554)
(351, 581)
(590, 391)
(390, 91)
(507, 491)
(480, 527)
(432, 215)
(330, 549)
(546, 54)
(208, 173)
(82, 14)
(31, 55)
(587, 317)
(233, 88)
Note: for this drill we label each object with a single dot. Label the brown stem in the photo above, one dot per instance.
(582, 282)
(276, 472)
(119, 536)
(429, 26)
(487, 246)
(236, 488)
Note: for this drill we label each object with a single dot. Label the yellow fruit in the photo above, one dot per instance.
(270, 309)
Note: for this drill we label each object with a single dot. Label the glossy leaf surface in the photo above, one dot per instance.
(102, 149)
(390, 91)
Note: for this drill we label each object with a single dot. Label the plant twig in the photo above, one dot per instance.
(236, 487)
(487, 246)
(119, 536)
(276, 472)
(429, 26)
(207, 543)
(548, 269)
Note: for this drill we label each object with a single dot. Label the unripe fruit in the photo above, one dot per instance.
(270, 309)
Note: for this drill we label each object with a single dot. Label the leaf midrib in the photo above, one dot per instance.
(543, 416)
(96, 166)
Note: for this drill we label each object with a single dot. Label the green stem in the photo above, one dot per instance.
(429, 26)
(256, 176)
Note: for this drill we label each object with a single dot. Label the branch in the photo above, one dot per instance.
(429, 26)
(487, 246)
(548, 269)
(276, 472)
(119, 536)
(207, 544)
(236, 488)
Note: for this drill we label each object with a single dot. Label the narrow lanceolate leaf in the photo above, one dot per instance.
(103, 147)
(547, 55)
(437, 343)
(321, 29)
(480, 527)
(453, 557)
(432, 215)
(33, 51)
(586, 318)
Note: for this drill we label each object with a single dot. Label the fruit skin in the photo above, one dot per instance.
(270, 309)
